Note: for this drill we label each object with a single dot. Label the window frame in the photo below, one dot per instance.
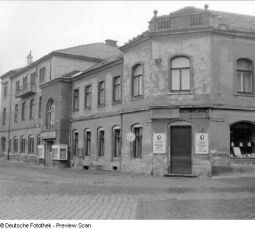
(133, 77)
(114, 86)
(5, 89)
(116, 153)
(42, 73)
(31, 144)
(15, 144)
(32, 109)
(16, 113)
(75, 144)
(50, 114)
(40, 107)
(100, 142)
(99, 91)
(23, 111)
(86, 94)
(22, 144)
(87, 143)
(76, 99)
(180, 78)
(137, 154)
(4, 117)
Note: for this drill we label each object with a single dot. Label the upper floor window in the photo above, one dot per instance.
(76, 100)
(23, 111)
(101, 93)
(244, 68)
(32, 109)
(33, 79)
(100, 142)
(25, 83)
(17, 86)
(4, 116)
(50, 114)
(180, 74)
(116, 97)
(16, 110)
(88, 97)
(40, 107)
(137, 80)
(5, 90)
(42, 72)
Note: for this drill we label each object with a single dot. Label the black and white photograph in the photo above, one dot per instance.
(126, 110)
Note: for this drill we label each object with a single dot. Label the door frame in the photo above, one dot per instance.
(178, 123)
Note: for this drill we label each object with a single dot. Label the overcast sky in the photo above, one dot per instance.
(43, 26)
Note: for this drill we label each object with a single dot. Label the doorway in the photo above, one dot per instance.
(180, 149)
(48, 152)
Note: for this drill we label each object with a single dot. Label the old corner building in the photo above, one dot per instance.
(177, 99)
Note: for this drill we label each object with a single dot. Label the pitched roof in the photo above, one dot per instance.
(94, 50)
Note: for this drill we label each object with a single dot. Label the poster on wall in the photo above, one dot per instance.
(201, 143)
(159, 143)
(54, 155)
(40, 152)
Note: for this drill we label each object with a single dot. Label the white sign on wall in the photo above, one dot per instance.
(130, 136)
(201, 143)
(159, 143)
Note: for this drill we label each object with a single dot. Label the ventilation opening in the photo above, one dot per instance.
(86, 167)
(114, 168)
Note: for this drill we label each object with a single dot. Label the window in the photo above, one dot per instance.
(32, 109)
(180, 74)
(22, 145)
(116, 89)
(87, 142)
(23, 111)
(116, 142)
(4, 116)
(100, 142)
(76, 100)
(5, 90)
(10, 145)
(30, 144)
(88, 97)
(3, 144)
(244, 75)
(17, 86)
(101, 93)
(42, 72)
(40, 107)
(137, 81)
(16, 111)
(137, 144)
(25, 83)
(50, 114)
(33, 79)
(75, 143)
(15, 144)
(38, 139)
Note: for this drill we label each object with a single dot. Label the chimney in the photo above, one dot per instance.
(206, 6)
(110, 42)
(29, 58)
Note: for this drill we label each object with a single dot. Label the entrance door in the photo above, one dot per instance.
(48, 148)
(180, 145)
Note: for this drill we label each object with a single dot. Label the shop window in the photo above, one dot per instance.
(3, 144)
(32, 109)
(137, 80)
(88, 97)
(101, 142)
(15, 144)
(22, 145)
(30, 145)
(50, 116)
(75, 143)
(180, 74)
(116, 141)
(244, 68)
(76, 100)
(137, 143)
(116, 89)
(23, 111)
(242, 140)
(87, 142)
(101, 93)
(4, 117)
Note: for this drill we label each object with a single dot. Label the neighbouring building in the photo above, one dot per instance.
(177, 99)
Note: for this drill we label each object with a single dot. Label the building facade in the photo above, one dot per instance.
(177, 99)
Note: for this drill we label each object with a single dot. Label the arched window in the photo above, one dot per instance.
(244, 68)
(75, 142)
(180, 74)
(100, 142)
(22, 144)
(23, 111)
(87, 142)
(3, 144)
(50, 116)
(15, 144)
(137, 129)
(31, 143)
(116, 139)
(16, 111)
(4, 116)
(137, 80)
(32, 109)
(40, 107)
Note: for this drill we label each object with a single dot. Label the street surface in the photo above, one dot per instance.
(35, 192)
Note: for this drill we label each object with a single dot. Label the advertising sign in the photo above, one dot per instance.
(159, 143)
(40, 151)
(201, 143)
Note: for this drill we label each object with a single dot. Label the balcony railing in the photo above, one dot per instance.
(181, 22)
(25, 91)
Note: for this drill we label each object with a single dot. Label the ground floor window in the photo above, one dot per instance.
(22, 145)
(100, 142)
(3, 144)
(137, 144)
(242, 140)
(116, 142)
(10, 145)
(75, 141)
(30, 145)
(87, 142)
(15, 145)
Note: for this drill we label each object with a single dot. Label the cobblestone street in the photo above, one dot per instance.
(33, 192)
